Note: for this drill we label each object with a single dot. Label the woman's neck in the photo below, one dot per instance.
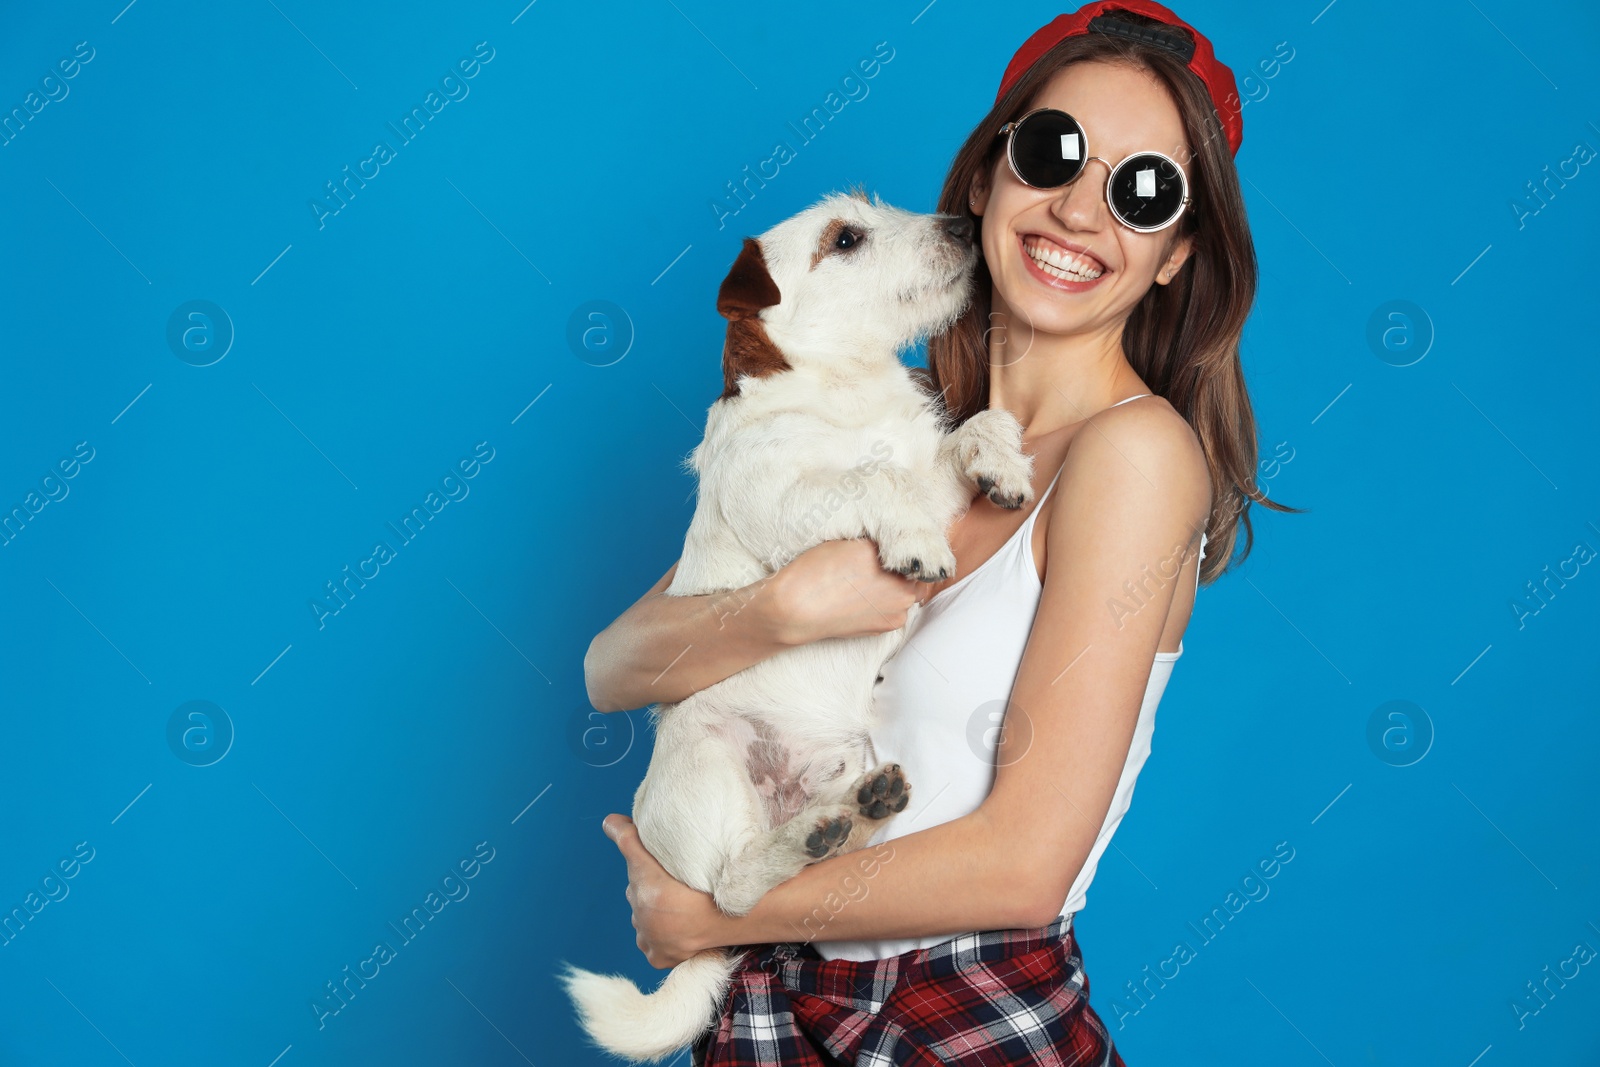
(1049, 381)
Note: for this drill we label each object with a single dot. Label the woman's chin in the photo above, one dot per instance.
(1046, 315)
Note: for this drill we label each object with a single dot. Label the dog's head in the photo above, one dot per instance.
(847, 279)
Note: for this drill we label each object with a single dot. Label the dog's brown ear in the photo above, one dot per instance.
(748, 352)
(749, 286)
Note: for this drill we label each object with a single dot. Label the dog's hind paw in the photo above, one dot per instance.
(883, 792)
(828, 835)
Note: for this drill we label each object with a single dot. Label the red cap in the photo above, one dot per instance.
(1215, 75)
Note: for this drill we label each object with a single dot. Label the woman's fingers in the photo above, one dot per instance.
(643, 869)
(667, 916)
(620, 828)
(840, 589)
(625, 836)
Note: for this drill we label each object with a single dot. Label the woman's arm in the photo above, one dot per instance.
(1134, 487)
(665, 648)
(644, 656)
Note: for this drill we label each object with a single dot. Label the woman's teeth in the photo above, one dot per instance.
(1067, 266)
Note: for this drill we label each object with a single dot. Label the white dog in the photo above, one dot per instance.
(821, 433)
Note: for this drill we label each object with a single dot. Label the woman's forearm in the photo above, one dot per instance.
(665, 648)
(957, 876)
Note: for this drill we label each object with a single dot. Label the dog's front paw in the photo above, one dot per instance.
(923, 556)
(882, 791)
(1007, 493)
(991, 457)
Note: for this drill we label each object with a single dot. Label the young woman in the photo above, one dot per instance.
(1116, 278)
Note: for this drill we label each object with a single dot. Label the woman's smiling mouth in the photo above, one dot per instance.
(1059, 266)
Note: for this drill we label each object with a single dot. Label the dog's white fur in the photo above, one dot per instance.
(822, 434)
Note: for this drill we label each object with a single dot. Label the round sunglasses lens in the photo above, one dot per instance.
(1147, 190)
(1048, 149)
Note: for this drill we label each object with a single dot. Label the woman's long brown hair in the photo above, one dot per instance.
(1181, 338)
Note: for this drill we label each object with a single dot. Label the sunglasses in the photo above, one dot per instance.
(1047, 149)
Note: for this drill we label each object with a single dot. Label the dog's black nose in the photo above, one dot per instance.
(959, 228)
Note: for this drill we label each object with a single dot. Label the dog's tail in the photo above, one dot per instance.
(649, 1027)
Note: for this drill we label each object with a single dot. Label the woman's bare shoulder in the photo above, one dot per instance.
(1139, 459)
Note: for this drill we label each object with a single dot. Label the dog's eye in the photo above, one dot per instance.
(846, 239)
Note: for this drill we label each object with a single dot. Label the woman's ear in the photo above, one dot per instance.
(1175, 259)
(978, 198)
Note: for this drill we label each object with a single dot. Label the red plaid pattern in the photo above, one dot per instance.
(984, 999)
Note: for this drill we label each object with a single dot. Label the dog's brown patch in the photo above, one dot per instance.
(747, 351)
(830, 234)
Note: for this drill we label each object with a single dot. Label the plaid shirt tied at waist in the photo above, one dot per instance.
(991, 998)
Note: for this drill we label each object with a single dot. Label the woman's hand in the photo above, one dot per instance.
(840, 589)
(673, 921)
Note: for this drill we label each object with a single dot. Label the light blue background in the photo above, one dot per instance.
(370, 355)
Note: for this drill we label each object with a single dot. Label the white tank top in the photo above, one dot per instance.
(943, 696)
